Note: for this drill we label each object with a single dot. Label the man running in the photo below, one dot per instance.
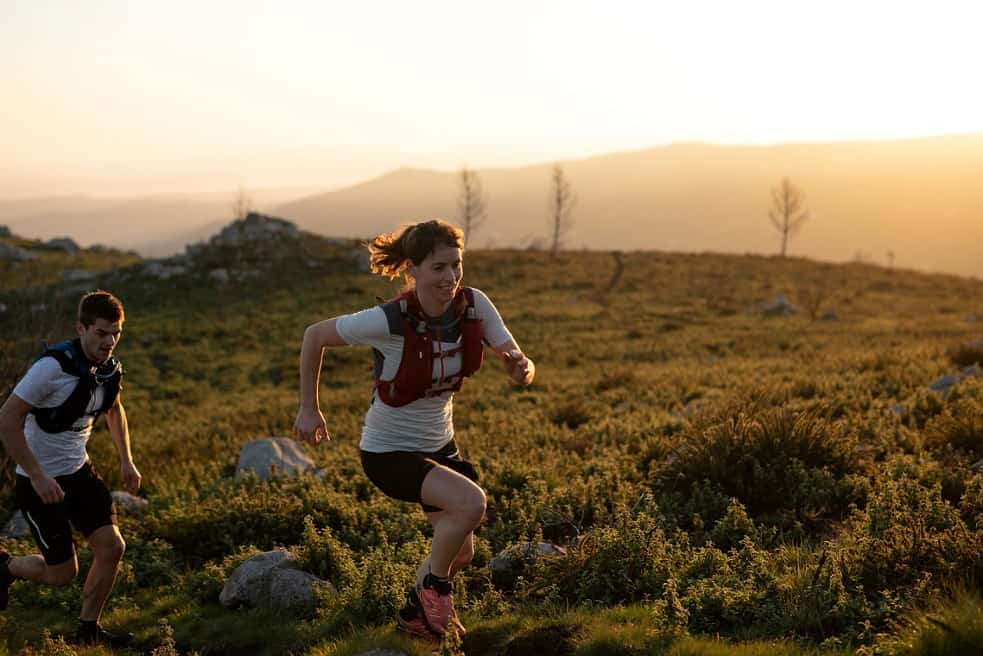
(44, 426)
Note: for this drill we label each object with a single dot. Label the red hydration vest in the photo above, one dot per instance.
(414, 378)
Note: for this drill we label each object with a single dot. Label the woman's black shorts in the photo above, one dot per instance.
(87, 505)
(400, 474)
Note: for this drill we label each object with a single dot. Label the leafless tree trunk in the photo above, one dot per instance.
(471, 204)
(787, 213)
(562, 200)
(242, 205)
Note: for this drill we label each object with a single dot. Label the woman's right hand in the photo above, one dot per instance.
(310, 426)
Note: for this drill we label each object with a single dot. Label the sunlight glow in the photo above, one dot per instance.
(92, 88)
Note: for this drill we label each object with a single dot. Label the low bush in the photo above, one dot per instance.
(785, 467)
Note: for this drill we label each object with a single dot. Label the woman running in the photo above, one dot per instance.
(425, 342)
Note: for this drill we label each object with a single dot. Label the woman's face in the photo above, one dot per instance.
(439, 275)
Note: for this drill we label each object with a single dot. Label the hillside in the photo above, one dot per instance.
(724, 479)
(918, 198)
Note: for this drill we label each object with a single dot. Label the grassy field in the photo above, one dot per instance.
(724, 482)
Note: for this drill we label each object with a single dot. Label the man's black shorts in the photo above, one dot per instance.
(87, 505)
(400, 474)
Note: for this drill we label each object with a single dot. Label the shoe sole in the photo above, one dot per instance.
(425, 633)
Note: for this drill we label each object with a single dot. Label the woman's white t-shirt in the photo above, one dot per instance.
(427, 423)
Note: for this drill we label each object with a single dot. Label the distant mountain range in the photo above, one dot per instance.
(155, 226)
(921, 199)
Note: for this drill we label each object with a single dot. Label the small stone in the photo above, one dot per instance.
(16, 527)
(129, 502)
(79, 275)
(221, 275)
(944, 384)
(14, 253)
(972, 371)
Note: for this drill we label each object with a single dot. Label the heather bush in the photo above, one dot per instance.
(959, 426)
(785, 467)
(971, 504)
(908, 535)
(966, 353)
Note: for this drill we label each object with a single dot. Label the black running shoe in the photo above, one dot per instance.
(6, 578)
(93, 634)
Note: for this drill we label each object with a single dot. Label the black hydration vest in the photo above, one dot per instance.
(73, 362)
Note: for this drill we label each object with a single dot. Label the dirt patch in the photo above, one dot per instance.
(554, 640)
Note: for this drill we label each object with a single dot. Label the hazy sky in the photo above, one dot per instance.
(114, 96)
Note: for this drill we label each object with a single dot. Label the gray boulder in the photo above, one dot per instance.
(5, 231)
(63, 244)
(17, 527)
(79, 275)
(977, 466)
(129, 502)
(780, 307)
(281, 455)
(271, 580)
(14, 253)
(944, 384)
(164, 270)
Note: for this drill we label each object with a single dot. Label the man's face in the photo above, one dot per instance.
(99, 339)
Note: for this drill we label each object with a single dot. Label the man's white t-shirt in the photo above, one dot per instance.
(427, 423)
(46, 386)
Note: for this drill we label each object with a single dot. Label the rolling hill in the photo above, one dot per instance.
(919, 198)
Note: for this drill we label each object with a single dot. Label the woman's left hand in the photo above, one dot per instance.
(520, 368)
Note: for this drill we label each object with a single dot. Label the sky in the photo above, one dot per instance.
(116, 97)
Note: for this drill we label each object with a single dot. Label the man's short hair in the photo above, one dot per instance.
(100, 304)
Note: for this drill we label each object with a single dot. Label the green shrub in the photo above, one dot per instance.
(960, 427)
(966, 354)
(327, 557)
(906, 533)
(971, 503)
(783, 466)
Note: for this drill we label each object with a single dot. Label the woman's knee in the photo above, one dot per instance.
(473, 505)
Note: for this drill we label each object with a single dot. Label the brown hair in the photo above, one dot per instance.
(100, 304)
(390, 251)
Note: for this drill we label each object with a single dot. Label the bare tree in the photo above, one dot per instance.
(242, 205)
(471, 204)
(787, 212)
(562, 200)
